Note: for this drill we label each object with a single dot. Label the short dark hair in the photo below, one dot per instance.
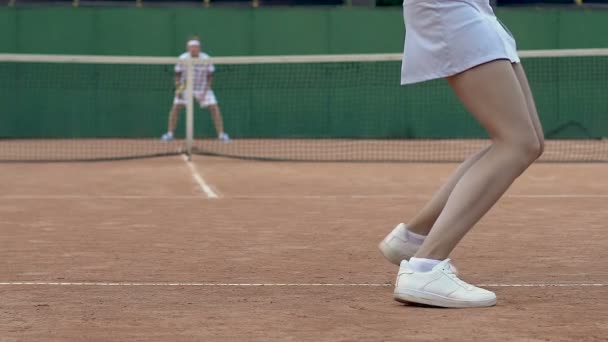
(193, 37)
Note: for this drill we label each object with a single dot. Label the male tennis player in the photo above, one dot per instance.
(464, 43)
(203, 78)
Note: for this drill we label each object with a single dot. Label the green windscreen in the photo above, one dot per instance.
(331, 111)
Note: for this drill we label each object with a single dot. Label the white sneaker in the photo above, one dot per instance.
(395, 247)
(167, 136)
(439, 287)
(223, 137)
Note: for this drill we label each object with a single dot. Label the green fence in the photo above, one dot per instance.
(324, 100)
(310, 100)
(162, 31)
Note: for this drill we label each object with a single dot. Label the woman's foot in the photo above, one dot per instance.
(167, 136)
(399, 245)
(223, 137)
(439, 287)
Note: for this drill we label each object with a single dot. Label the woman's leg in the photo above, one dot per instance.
(525, 87)
(492, 93)
(403, 241)
(424, 220)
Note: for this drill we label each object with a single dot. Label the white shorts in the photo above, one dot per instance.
(209, 99)
(446, 37)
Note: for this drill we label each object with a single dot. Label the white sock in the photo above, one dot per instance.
(423, 265)
(417, 239)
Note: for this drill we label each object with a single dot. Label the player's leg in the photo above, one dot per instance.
(210, 101)
(422, 222)
(218, 121)
(493, 94)
(403, 241)
(525, 87)
(172, 122)
(174, 117)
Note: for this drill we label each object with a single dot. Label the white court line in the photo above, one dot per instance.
(559, 196)
(97, 197)
(539, 196)
(199, 179)
(179, 284)
(213, 194)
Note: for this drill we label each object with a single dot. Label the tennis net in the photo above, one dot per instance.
(302, 108)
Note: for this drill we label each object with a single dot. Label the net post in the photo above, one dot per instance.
(189, 107)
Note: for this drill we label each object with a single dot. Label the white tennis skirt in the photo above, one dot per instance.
(446, 37)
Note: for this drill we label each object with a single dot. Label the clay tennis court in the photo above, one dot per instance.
(140, 251)
(325, 150)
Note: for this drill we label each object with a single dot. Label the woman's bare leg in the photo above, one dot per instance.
(492, 93)
(424, 220)
(525, 87)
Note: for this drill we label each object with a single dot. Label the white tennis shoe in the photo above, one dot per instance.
(395, 247)
(439, 287)
(223, 137)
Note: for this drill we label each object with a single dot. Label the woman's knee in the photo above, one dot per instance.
(541, 142)
(529, 146)
(523, 148)
(534, 145)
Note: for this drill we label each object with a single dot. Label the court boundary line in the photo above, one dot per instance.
(209, 284)
(214, 195)
(198, 178)
(396, 196)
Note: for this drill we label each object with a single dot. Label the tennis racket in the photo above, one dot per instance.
(180, 89)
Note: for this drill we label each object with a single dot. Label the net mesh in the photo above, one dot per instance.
(316, 108)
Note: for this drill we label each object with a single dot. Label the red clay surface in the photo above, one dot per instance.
(148, 221)
(417, 150)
